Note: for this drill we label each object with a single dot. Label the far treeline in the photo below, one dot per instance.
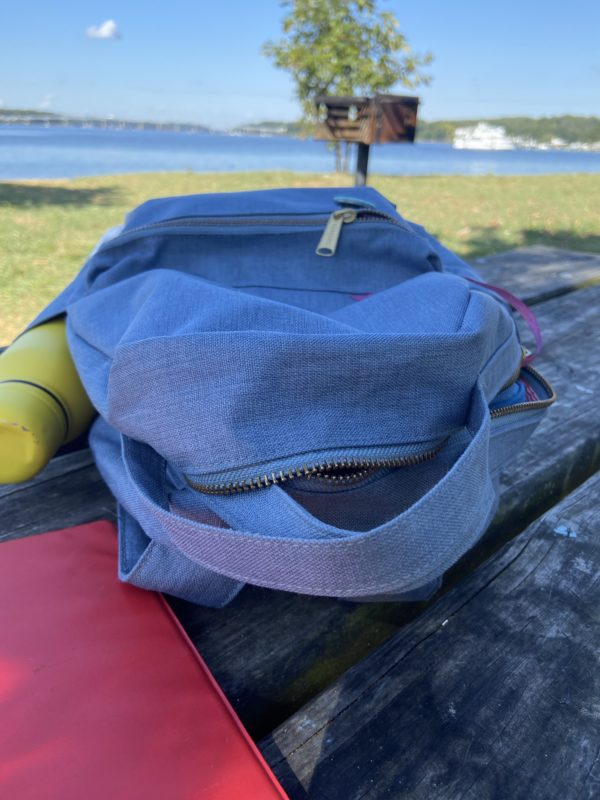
(569, 128)
(543, 129)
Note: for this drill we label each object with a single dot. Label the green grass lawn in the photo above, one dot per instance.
(48, 227)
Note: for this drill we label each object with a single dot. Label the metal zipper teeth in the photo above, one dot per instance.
(211, 222)
(531, 405)
(342, 478)
(381, 216)
(361, 466)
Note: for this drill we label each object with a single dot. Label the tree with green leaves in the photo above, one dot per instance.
(344, 47)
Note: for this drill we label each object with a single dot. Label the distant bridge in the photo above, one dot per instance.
(53, 121)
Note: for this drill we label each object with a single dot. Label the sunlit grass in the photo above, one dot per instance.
(48, 227)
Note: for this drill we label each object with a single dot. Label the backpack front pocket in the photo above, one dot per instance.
(516, 412)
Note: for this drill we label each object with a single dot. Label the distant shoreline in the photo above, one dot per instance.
(545, 133)
(106, 125)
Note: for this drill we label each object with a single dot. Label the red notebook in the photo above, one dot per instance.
(102, 694)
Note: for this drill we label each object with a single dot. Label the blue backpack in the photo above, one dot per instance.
(297, 389)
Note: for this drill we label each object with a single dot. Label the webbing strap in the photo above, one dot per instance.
(523, 309)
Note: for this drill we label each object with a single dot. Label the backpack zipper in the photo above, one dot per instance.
(346, 470)
(327, 245)
(344, 216)
(329, 240)
(352, 470)
(531, 404)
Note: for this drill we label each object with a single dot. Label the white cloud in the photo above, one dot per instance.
(106, 30)
(46, 102)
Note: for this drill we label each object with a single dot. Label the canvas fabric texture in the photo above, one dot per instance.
(222, 350)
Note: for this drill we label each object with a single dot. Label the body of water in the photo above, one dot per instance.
(38, 152)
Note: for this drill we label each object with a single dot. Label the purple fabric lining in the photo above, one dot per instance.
(530, 394)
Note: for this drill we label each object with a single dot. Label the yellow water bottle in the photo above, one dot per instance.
(43, 404)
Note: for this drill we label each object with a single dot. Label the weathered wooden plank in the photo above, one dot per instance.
(59, 466)
(272, 651)
(539, 273)
(69, 491)
(494, 692)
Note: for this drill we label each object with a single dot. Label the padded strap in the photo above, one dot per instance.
(299, 553)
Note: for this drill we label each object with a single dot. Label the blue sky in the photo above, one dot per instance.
(200, 61)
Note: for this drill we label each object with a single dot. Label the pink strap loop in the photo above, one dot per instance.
(523, 309)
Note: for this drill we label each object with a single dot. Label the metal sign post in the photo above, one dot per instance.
(362, 164)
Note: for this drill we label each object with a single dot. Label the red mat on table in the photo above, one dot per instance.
(102, 695)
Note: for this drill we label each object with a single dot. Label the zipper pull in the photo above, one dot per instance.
(329, 240)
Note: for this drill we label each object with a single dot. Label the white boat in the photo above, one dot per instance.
(482, 137)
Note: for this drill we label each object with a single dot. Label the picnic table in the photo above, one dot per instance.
(489, 690)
